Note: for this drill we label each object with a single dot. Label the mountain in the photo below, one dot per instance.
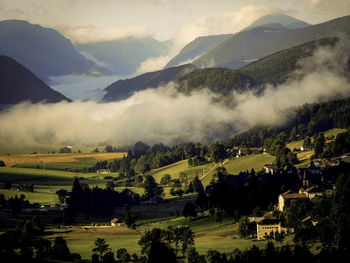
(282, 19)
(18, 84)
(254, 44)
(196, 48)
(274, 69)
(123, 89)
(124, 56)
(42, 50)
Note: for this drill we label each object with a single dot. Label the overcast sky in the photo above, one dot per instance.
(183, 20)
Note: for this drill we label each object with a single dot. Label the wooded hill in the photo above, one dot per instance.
(274, 69)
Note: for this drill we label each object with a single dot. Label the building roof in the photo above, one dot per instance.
(114, 220)
(291, 195)
(269, 221)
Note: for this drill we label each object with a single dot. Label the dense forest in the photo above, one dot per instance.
(307, 120)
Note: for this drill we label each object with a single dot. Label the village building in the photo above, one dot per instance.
(103, 171)
(268, 227)
(270, 168)
(287, 197)
(114, 221)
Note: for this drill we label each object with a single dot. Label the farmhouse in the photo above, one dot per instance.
(287, 197)
(103, 171)
(114, 221)
(268, 227)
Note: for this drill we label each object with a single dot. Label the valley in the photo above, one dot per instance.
(158, 131)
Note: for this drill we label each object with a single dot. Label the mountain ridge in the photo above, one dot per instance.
(260, 42)
(17, 84)
(42, 50)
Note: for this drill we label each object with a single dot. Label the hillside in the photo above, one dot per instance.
(274, 69)
(196, 48)
(44, 51)
(18, 84)
(251, 45)
(123, 89)
(124, 56)
(306, 120)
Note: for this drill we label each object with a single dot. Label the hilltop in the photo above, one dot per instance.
(250, 45)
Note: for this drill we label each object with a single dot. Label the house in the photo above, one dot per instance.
(103, 171)
(114, 221)
(268, 227)
(270, 168)
(288, 196)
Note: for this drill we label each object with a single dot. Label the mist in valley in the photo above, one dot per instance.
(164, 115)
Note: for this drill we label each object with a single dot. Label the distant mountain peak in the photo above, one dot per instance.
(278, 18)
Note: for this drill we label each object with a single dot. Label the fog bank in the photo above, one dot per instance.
(163, 115)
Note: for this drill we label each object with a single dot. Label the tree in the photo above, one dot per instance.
(152, 189)
(197, 185)
(217, 152)
(123, 256)
(319, 143)
(96, 150)
(192, 255)
(213, 256)
(219, 215)
(184, 236)
(109, 149)
(129, 218)
(110, 185)
(153, 246)
(65, 150)
(341, 211)
(60, 249)
(101, 247)
(189, 210)
(244, 227)
(307, 145)
(62, 195)
(165, 180)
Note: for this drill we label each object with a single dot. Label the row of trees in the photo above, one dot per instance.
(157, 245)
(97, 201)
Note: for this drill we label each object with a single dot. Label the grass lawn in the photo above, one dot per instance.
(256, 161)
(182, 166)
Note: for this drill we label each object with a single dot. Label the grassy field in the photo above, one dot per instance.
(332, 132)
(244, 163)
(208, 235)
(182, 166)
(64, 158)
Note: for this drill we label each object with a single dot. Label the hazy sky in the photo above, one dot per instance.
(93, 20)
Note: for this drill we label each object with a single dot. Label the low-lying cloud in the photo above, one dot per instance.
(163, 115)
